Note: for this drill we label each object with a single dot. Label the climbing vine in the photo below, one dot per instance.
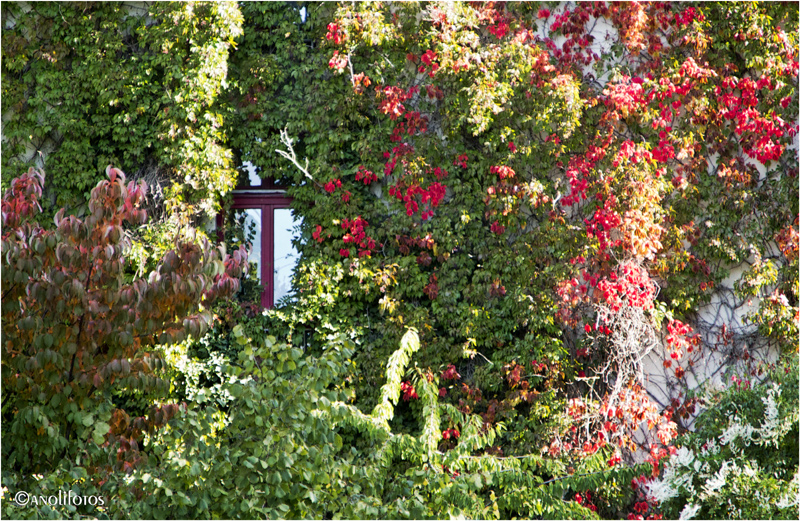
(134, 85)
(560, 200)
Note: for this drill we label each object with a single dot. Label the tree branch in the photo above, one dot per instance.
(290, 155)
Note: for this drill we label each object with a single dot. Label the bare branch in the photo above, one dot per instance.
(290, 155)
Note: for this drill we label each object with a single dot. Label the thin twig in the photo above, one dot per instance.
(290, 155)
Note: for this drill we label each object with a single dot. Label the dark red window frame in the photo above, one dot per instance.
(267, 200)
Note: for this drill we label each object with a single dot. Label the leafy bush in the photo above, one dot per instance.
(278, 450)
(76, 334)
(742, 460)
(272, 454)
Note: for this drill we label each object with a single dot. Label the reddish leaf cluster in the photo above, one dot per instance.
(332, 185)
(393, 98)
(356, 235)
(409, 393)
(428, 59)
(337, 62)
(498, 228)
(73, 325)
(503, 172)
(429, 198)
(585, 500)
(365, 175)
(451, 433)
(432, 289)
(450, 373)
(336, 34)
(461, 161)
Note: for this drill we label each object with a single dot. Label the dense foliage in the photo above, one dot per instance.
(507, 208)
(76, 334)
(547, 196)
(741, 461)
(136, 86)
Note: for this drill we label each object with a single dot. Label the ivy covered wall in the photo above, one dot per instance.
(136, 85)
(543, 192)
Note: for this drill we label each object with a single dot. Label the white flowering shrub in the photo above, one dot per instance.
(741, 462)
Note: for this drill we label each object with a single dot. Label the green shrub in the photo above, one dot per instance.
(741, 462)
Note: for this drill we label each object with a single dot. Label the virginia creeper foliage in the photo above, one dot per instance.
(550, 207)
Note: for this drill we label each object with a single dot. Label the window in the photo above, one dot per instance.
(269, 224)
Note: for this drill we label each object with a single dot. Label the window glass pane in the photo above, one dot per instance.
(252, 177)
(284, 253)
(250, 220)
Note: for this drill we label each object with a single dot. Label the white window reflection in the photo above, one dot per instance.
(284, 254)
(252, 238)
(252, 177)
